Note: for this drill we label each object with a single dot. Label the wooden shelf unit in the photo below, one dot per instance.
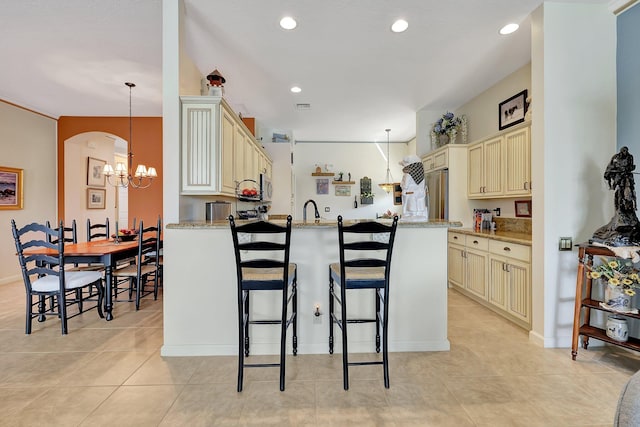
(584, 304)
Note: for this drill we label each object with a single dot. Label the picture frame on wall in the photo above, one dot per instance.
(343, 190)
(511, 111)
(95, 175)
(11, 188)
(322, 186)
(96, 198)
(523, 208)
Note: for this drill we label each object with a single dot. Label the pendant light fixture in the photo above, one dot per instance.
(122, 177)
(387, 185)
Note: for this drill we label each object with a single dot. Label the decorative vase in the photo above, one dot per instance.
(453, 133)
(443, 139)
(617, 328)
(616, 298)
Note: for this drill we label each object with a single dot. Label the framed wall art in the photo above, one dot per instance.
(322, 186)
(523, 208)
(96, 198)
(511, 111)
(11, 188)
(95, 175)
(343, 190)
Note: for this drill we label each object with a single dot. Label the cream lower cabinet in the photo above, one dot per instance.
(467, 265)
(510, 280)
(494, 273)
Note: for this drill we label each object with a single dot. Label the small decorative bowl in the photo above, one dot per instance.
(126, 237)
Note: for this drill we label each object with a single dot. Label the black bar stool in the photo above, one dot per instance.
(362, 273)
(252, 240)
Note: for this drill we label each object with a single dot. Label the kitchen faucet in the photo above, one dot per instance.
(315, 208)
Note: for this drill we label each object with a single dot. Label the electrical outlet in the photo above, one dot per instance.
(327, 209)
(565, 244)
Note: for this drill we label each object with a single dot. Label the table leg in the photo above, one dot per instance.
(108, 303)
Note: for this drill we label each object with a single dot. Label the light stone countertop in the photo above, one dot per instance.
(323, 223)
(504, 236)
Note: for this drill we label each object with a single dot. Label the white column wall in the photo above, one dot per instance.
(574, 133)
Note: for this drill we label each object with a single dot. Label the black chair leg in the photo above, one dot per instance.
(62, 311)
(283, 337)
(330, 314)
(343, 324)
(241, 320)
(385, 349)
(246, 323)
(42, 307)
(294, 290)
(377, 297)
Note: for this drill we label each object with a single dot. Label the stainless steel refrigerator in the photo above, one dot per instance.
(437, 185)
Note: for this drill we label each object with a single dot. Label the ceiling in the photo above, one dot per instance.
(72, 57)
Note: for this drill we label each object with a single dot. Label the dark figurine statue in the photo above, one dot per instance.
(624, 227)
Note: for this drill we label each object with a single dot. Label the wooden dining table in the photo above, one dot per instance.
(106, 252)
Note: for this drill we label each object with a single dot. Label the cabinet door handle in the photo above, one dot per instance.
(455, 237)
(507, 248)
(504, 267)
(530, 186)
(475, 242)
(525, 186)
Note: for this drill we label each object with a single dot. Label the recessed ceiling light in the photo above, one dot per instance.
(399, 26)
(288, 23)
(509, 28)
(296, 89)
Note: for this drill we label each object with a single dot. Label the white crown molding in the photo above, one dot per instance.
(619, 6)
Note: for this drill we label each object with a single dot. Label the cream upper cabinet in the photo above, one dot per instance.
(500, 166)
(199, 149)
(436, 160)
(239, 150)
(216, 147)
(228, 164)
(475, 172)
(517, 146)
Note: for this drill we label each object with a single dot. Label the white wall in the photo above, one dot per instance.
(482, 111)
(77, 150)
(359, 159)
(574, 134)
(280, 154)
(36, 136)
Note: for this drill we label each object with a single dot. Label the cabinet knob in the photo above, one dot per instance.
(507, 248)
(455, 237)
(475, 242)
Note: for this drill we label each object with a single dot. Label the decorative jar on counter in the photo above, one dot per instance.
(617, 328)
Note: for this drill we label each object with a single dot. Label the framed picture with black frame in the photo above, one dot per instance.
(511, 111)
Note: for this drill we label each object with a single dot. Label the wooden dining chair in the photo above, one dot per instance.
(145, 266)
(97, 230)
(44, 275)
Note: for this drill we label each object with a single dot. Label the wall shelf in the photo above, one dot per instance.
(343, 182)
(322, 174)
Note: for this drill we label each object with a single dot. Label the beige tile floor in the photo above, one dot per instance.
(111, 373)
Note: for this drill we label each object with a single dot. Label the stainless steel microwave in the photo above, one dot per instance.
(266, 188)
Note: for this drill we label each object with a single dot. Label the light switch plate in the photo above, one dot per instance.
(565, 244)
(327, 209)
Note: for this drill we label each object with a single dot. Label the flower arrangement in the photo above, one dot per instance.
(617, 272)
(449, 125)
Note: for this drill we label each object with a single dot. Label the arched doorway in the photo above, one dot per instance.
(79, 151)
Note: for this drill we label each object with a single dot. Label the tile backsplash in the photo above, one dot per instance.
(517, 225)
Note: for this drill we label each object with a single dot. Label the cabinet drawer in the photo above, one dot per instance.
(475, 242)
(511, 250)
(457, 238)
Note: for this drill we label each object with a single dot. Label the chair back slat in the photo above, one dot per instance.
(69, 234)
(379, 253)
(261, 236)
(37, 265)
(95, 231)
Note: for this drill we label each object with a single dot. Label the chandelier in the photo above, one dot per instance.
(121, 176)
(387, 185)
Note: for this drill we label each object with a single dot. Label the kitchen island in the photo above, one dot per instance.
(200, 294)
